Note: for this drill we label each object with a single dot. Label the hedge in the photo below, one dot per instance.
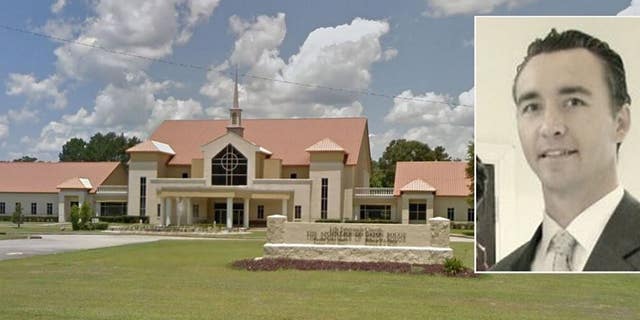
(123, 219)
(32, 218)
(356, 221)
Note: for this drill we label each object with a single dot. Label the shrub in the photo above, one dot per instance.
(75, 218)
(17, 215)
(329, 220)
(453, 266)
(85, 215)
(98, 226)
(31, 218)
(123, 219)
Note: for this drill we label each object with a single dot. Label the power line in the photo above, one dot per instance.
(206, 68)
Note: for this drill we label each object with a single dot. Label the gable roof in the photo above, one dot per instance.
(152, 146)
(325, 144)
(447, 177)
(418, 185)
(45, 177)
(76, 183)
(286, 139)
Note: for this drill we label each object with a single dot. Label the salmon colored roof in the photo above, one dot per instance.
(45, 177)
(75, 183)
(447, 177)
(286, 139)
(152, 146)
(325, 145)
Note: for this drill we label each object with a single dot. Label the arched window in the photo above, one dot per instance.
(229, 168)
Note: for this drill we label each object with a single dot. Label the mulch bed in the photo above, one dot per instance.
(268, 264)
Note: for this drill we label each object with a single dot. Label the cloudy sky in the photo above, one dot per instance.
(126, 66)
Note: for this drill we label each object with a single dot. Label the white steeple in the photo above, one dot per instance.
(235, 112)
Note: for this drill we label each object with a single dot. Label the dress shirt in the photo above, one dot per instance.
(586, 228)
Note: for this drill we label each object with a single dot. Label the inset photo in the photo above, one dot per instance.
(557, 136)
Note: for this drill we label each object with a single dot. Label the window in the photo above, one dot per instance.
(375, 212)
(49, 209)
(143, 196)
(470, 214)
(451, 213)
(260, 212)
(229, 168)
(324, 198)
(298, 212)
(2, 208)
(185, 175)
(159, 209)
(417, 211)
(110, 209)
(34, 208)
(293, 176)
(195, 212)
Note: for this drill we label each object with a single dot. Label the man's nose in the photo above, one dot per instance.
(553, 124)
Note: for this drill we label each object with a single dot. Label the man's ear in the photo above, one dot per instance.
(623, 122)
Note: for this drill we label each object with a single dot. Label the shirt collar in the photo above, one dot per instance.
(588, 225)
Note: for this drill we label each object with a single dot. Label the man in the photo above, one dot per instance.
(572, 115)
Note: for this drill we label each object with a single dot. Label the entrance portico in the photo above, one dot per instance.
(231, 207)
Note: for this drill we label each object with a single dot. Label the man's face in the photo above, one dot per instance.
(565, 122)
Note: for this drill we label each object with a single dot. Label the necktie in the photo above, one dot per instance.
(561, 246)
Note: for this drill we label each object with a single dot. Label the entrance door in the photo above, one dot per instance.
(220, 213)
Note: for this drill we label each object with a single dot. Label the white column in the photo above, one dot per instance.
(246, 212)
(81, 198)
(162, 212)
(229, 213)
(167, 211)
(284, 208)
(61, 217)
(189, 210)
(179, 210)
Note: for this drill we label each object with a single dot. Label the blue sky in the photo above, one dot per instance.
(421, 51)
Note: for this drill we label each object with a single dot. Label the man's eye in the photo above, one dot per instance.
(575, 102)
(530, 107)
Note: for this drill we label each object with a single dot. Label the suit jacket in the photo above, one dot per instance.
(617, 249)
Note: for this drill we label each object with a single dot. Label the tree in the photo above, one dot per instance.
(75, 218)
(101, 147)
(73, 150)
(470, 170)
(17, 215)
(85, 215)
(26, 159)
(403, 150)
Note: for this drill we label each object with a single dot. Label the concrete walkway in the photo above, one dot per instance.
(55, 243)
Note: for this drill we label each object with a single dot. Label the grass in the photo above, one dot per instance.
(194, 280)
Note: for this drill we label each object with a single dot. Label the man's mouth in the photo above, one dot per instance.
(557, 153)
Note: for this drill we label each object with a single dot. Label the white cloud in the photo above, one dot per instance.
(4, 127)
(443, 8)
(58, 6)
(434, 119)
(47, 89)
(338, 57)
(173, 109)
(133, 108)
(23, 115)
(632, 10)
(147, 28)
(60, 28)
(266, 34)
(389, 54)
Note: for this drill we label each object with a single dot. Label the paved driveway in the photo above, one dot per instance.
(17, 248)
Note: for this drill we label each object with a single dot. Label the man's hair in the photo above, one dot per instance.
(573, 39)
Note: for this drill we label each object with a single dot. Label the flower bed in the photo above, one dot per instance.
(266, 264)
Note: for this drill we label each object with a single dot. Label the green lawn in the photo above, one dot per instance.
(193, 280)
